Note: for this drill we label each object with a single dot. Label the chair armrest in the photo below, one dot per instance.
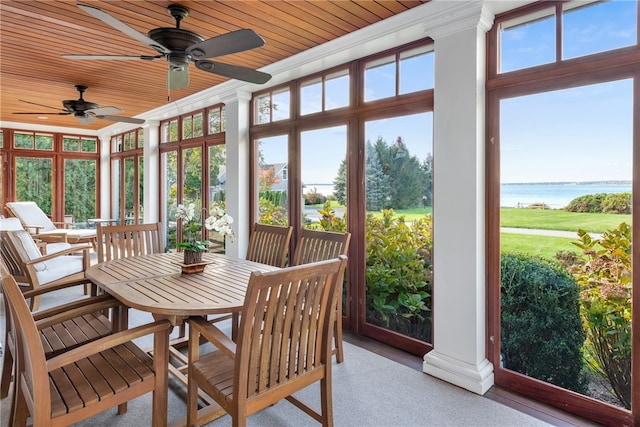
(105, 343)
(60, 313)
(35, 227)
(72, 250)
(213, 335)
(43, 289)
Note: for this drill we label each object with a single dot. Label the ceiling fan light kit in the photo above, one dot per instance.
(179, 47)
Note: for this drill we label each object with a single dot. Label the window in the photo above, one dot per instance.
(80, 144)
(33, 141)
(272, 106)
(407, 71)
(325, 93)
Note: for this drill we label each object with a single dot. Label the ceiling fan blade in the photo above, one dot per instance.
(121, 119)
(177, 77)
(117, 57)
(233, 71)
(101, 111)
(46, 106)
(47, 114)
(84, 119)
(225, 44)
(122, 27)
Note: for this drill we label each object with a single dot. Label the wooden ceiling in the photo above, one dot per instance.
(35, 34)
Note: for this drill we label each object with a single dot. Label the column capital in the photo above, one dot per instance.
(458, 17)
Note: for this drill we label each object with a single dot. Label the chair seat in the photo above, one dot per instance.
(74, 332)
(214, 372)
(99, 377)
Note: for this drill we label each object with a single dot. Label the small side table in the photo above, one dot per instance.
(91, 222)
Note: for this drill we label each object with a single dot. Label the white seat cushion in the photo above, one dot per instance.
(29, 213)
(60, 267)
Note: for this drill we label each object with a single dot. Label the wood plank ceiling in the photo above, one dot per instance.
(35, 34)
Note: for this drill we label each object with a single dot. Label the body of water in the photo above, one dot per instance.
(554, 195)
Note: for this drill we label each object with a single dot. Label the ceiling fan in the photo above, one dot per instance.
(179, 47)
(85, 111)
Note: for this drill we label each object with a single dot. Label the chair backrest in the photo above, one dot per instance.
(30, 357)
(10, 224)
(269, 244)
(29, 213)
(286, 329)
(319, 245)
(124, 241)
(15, 249)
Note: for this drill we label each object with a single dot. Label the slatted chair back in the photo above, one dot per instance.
(283, 346)
(11, 261)
(124, 241)
(87, 380)
(319, 245)
(269, 244)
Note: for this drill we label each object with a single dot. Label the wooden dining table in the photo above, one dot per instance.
(155, 284)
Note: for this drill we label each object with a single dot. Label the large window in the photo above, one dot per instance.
(311, 168)
(127, 185)
(193, 169)
(561, 186)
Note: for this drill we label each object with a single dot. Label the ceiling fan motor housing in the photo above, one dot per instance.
(177, 40)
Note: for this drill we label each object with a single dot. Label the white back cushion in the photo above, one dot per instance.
(29, 213)
(30, 248)
(10, 224)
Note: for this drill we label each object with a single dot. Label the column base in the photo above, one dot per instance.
(475, 378)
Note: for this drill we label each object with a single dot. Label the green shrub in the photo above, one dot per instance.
(399, 274)
(314, 198)
(605, 293)
(541, 330)
(618, 203)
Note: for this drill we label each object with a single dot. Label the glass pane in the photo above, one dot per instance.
(398, 196)
(141, 138)
(380, 79)
(281, 105)
(564, 293)
(71, 143)
(115, 189)
(214, 121)
(311, 96)
(116, 144)
(170, 186)
(187, 128)
(323, 164)
(33, 181)
(89, 145)
(80, 190)
(416, 70)
(528, 41)
(129, 188)
(44, 142)
(197, 125)
(272, 180)
(192, 173)
(217, 185)
(336, 90)
(263, 108)
(1, 140)
(141, 189)
(598, 27)
(23, 140)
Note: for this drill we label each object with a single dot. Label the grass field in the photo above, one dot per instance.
(553, 219)
(544, 246)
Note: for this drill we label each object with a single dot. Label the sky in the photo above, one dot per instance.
(579, 134)
(545, 137)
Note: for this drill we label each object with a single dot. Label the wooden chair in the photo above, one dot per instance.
(13, 224)
(319, 245)
(284, 344)
(88, 379)
(123, 241)
(61, 328)
(269, 244)
(35, 221)
(34, 270)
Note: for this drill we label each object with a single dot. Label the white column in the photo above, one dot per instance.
(237, 173)
(151, 176)
(459, 295)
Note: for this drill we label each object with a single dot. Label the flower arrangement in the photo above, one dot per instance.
(218, 221)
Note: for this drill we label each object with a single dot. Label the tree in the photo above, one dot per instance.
(376, 182)
(340, 184)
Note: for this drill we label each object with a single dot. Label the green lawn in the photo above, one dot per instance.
(543, 246)
(553, 219)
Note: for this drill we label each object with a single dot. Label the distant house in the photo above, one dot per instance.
(276, 174)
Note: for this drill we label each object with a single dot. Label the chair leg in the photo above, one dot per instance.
(326, 402)
(7, 370)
